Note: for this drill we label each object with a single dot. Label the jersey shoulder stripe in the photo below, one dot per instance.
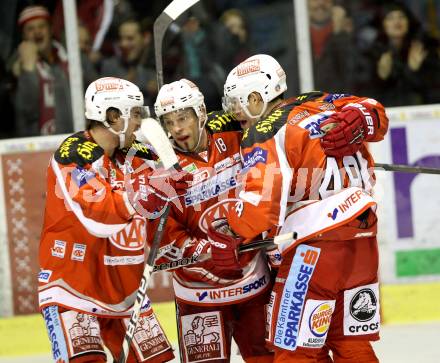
(77, 149)
(220, 121)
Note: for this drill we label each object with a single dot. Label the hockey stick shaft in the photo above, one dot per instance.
(407, 168)
(142, 291)
(171, 13)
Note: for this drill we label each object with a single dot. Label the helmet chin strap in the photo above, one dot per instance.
(255, 117)
(121, 134)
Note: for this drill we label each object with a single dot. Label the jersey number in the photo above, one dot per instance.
(354, 166)
(220, 145)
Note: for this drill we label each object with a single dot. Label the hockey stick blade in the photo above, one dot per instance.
(171, 13)
(152, 131)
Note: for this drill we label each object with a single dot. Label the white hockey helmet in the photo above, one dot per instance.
(260, 73)
(110, 92)
(179, 95)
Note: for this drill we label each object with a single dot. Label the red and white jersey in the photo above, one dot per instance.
(92, 242)
(212, 193)
(284, 163)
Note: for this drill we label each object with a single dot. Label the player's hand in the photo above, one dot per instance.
(345, 131)
(224, 250)
(152, 190)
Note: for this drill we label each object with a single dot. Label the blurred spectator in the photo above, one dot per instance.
(233, 43)
(199, 65)
(42, 97)
(399, 58)
(85, 46)
(332, 46)
(134, 60)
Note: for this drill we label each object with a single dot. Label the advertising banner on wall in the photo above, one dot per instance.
(409, 204)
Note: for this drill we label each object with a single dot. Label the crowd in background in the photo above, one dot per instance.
(384, 49)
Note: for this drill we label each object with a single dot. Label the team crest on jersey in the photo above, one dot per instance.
(216, 211)
(133, 236)
(203, 337)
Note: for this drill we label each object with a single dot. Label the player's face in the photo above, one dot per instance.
(183, 125)
(134, 123)
(254, 107)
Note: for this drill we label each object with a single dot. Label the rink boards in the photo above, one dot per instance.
(409, 206)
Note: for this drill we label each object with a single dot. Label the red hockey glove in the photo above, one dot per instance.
(152, 190)
(346, 130)
(224, 250)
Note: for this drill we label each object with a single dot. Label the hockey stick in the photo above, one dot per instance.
(166, 154)
(254, 245)
(156, 136)
(406, 168)
(171, 13)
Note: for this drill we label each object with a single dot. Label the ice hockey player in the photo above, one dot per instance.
(92, 243)
(223, 297)
(298, 177)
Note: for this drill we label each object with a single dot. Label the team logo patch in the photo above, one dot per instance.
(203, 337)
(58, 249)
(361, 310)
(293, 297)
(78, 252)
(315, 323)
(149, 339)
(217, 211)
(133, 236)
